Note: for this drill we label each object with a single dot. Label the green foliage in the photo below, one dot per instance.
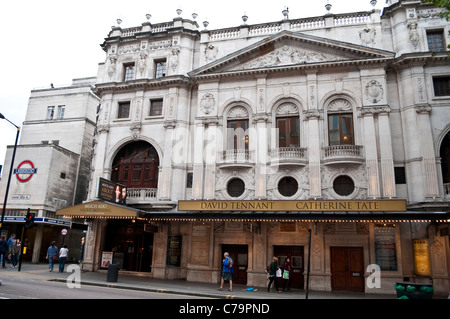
(443, 4)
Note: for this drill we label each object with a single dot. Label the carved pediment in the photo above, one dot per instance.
(286, 56)
(289, 49)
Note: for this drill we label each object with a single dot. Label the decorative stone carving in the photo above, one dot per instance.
(132, 48)
(286, 56)
(374, 91)
(210, 53)
(287, 109)
(367, 36)
(207, 103)
(312, 114)
(423, 109)
(142, 63)
(135, 128)
(414, 35)
(238, 112)
(112, 66)
(170, 124)
(174, 59)
(339, 105)
(430, 14)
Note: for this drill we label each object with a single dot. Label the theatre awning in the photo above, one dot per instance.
(100, 209)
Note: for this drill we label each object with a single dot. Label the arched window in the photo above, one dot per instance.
(136, 166)
(237, 129)
(340, 123)
(445, 161)
(288, 125)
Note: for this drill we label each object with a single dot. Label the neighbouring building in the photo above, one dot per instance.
(51, 166)
(329, 133)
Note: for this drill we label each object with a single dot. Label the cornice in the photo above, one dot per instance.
(142, 84)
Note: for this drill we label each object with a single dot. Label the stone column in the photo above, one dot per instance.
(37, 245)
(370, 147)
(261, 156)
(315, 186)
(386, 155)
(314, 152)
(92, 246)
(430, 178)
(197, 176)
(212, 140)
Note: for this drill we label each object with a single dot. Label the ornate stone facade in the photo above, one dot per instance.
(336, 108)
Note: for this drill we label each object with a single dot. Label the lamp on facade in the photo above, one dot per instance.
(10, 171)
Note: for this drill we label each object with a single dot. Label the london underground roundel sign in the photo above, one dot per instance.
(25, 171)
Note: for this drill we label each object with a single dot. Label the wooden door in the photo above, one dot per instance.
(347, 269)
(239, 255)
(296, 255)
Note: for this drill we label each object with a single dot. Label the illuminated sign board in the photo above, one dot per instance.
(111, 191)
(293, 205)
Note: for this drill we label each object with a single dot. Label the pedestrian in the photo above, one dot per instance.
(273, 274)
(11, 242)
(287, 276)
(63, 254)
(52, 255)
(3, 250)
(15, 252)
(227, 271)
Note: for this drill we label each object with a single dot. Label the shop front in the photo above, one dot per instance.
(117, 234)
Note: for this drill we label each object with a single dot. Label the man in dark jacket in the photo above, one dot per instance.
(3, 250)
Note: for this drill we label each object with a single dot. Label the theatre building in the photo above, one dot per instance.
(322, 139)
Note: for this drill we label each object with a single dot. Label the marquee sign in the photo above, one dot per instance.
(25, 171)
(293, 205)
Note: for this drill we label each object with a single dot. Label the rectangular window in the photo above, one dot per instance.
(289, 132)
(340, 129)
(189, 180)
(400, 175)
(441, 86)
(61, 110)
(128, 72)
(435, 41)
(156, 107)
(50, 112)
(160, 68)
(124, 110)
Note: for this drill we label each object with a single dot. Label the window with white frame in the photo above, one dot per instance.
(50, 112)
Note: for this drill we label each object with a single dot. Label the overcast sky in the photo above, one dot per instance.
(54, 41)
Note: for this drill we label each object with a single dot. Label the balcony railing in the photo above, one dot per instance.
(235, 158)
(141, 195)
(288, 156)
(338, 154)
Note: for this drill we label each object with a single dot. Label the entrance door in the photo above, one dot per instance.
(239, 254)
(347, 269)
(132, 246)
(296, 255)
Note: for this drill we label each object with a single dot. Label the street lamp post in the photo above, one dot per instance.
(10, 171)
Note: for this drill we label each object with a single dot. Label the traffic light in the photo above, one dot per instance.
(29, 220)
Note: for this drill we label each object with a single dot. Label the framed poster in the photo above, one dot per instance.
(107, 257)
(385, 252)
(421, 250)
(174, 251)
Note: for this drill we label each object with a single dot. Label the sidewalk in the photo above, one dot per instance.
(144, 283)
